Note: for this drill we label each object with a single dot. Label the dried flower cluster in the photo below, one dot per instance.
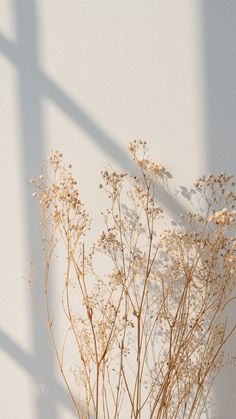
(149, 334)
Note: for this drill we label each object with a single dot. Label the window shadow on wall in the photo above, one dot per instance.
(219, 19)
(32, 145)
(219, 35)
(33, 85)
(30, 365)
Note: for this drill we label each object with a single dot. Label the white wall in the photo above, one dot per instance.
(87, 77)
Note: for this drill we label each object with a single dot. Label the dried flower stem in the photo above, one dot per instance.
(150, 330)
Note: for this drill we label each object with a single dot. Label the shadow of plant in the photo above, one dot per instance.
(151, 326)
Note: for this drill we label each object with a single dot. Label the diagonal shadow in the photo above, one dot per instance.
(33, 85)
(27, 362)
(48, 88)
(8, 49)
(96, 134)
(219, 33)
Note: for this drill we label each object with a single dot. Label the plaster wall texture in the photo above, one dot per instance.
(86, 77)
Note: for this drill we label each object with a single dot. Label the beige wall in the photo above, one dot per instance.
(87, 77)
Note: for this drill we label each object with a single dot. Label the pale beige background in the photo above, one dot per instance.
(87, 77)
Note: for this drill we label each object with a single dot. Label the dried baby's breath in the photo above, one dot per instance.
(149, 328)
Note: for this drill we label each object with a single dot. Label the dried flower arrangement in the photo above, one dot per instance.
(148, 331)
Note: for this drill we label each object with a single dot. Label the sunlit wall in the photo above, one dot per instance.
(87, 77)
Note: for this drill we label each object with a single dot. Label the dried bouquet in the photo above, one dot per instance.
(146, 305)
